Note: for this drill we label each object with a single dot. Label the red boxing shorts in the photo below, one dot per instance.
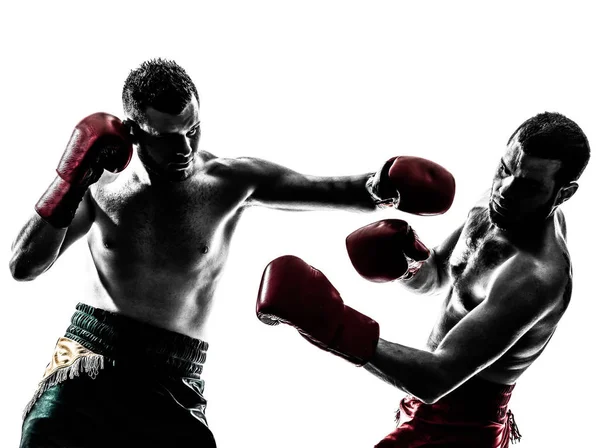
(475, 415)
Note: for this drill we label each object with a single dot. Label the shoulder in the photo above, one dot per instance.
(240, 167)
(547, 269)
(521, 288)
(220, 166)
(540, 280)
(215, 162)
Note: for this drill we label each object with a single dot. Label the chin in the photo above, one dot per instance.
(499, 221)
(524, 223)
(179, 176)
(173, 175)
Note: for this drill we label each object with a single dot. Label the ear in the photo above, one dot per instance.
(566, 192)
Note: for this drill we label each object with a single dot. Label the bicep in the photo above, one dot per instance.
(275, 185)
(257, 177)
(271, 182)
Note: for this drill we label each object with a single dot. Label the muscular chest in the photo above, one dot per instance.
(479, 252)
(140, 223)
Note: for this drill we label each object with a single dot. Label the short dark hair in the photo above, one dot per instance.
(550, 135)
(160, 84)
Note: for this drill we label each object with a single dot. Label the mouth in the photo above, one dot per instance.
(178, 166)
(498, 205)
(500, 209)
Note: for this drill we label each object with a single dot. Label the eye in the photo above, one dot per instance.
(502, 169)
(194, 131)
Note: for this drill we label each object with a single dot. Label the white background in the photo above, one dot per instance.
(325, 88)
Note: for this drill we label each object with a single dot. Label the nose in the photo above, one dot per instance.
(184, 148)
(505, 188)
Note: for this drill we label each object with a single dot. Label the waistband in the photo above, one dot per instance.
(477, 390)
(125, 341)
(476, 402)
(476, 399)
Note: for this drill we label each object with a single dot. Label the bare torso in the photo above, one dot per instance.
(480, 252)
(159, 250)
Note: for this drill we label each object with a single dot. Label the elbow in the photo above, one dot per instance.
(22, 270)
(428, 394)
(433, 385)
(431, 397)
(440, 389)
(436, 390)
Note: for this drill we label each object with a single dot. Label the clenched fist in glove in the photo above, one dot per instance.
(413, 185)
(386, 250)
(99, 142)
(295, 293)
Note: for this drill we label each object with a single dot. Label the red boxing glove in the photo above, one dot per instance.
(414, 185)
(99, 142)
(379, 251)
(299, 295)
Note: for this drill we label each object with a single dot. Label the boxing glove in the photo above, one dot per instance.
(386, 250)
(295, 293)
(99, 142)
(413, 185)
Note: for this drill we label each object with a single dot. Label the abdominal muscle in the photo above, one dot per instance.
(158, 253)
(165, 298)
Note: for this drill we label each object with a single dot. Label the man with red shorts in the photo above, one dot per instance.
(506, 276)
(127, 371)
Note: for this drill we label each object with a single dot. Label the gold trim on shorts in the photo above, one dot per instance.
(69, 359)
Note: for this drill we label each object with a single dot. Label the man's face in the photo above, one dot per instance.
(524, 191)
(168, 143)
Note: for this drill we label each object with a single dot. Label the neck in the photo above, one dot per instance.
(527, 235)
(153, 174)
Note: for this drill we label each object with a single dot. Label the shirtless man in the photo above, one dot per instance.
(506, 276)
(159, 235)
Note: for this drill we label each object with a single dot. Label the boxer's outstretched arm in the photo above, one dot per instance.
(521, 295)
(39, 244)
(276, 186)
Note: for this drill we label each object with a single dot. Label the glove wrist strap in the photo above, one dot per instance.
(413, 268)
(59, 202)
(379, 202)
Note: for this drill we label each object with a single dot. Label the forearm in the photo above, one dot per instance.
(302, 192)
(35, 249)
(416, 372)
